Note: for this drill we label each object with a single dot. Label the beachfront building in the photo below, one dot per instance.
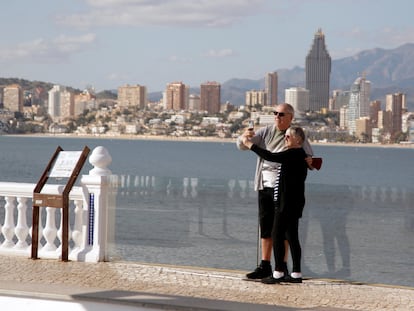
(359, 102)
(132, 96)
(83, 101)
(298, 97)
(176, 96)
(210, 97)
(194, 102)
(13, 98)
(374, 108)
(395, 103)
(60, 104)
(255, 98)
(363, 129)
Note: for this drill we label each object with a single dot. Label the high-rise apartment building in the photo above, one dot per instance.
(254, 98)
(317, 73)
(13, 98)
(194, 102)
(339, 99)
(358, 106)
(210, 97)
(60, 104)
(374, 108)
(132, 95)
(343, 117)
(385, 121)
(175, 96)
(83, 101)
(271, 84)
(363, 129)
(298, 97)
(395, 103)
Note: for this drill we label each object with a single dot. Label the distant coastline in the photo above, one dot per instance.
(199, 139)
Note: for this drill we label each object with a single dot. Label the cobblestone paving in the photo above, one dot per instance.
(215, 284)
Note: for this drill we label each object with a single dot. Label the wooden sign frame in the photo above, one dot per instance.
(63, 164)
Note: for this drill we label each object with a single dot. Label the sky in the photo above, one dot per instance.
(109, 43)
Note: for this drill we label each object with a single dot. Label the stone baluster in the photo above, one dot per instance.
(78, 235)
(8, 227)
(50, 230)
(22, 230)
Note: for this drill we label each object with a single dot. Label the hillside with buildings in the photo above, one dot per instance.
(365, 98)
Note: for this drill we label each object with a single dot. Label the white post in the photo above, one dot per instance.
(101, 197)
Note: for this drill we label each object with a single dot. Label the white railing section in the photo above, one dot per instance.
(90, 232)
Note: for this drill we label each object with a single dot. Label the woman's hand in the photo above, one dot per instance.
(309, 162)
(246, 141)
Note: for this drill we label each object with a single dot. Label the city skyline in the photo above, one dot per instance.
(111, 43)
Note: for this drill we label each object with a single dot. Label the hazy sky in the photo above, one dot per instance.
(108, 43)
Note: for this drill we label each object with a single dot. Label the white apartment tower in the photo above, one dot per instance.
(298, 97)
(60, 104)
(359, 102)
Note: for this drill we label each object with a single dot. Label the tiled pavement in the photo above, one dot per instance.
(188, 288)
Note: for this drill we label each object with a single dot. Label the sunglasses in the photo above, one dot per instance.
(280, 114)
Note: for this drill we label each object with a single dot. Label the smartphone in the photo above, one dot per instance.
(251, 125)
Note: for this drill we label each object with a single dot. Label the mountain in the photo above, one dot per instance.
(389, 71)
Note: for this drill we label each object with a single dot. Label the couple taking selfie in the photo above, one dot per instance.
(284, 157)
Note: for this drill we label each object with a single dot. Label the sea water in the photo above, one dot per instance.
(193, 203)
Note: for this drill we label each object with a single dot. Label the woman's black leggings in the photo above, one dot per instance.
(285, 227)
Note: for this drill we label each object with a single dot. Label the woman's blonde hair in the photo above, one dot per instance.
(298, 133)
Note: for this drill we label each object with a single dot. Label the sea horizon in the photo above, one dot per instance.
(407, 145)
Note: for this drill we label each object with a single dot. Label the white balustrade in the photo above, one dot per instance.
(88, 239)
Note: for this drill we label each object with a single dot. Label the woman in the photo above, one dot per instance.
(289, 200)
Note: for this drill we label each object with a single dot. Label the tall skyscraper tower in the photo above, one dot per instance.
(358, 102)
(210, 97)
(318, 71)
(271, 82)
(395, 103)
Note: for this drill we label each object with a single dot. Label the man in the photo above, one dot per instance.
(272, 138)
